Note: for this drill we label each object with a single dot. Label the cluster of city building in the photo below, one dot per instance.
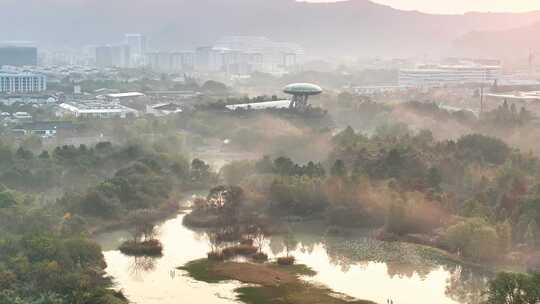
(451, 72)
(24, 77)
(438, 75)
(130, 53)
(23, 69)
(231, 55)
(106, 106)
(11, 80)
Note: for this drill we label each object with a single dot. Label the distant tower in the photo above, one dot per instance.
(300, 94)
(137, 45)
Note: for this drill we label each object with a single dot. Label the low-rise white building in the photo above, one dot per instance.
(276, 104)
(22, 116)
(163, 109)
(96, 110)
(438, 75)
(516, 96)
(9, 99)
(121, 96)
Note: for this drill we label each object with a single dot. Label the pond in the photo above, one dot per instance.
(354, 265)
(156, 280)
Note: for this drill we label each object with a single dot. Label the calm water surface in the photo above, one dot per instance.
(355, 266)
(156, 280)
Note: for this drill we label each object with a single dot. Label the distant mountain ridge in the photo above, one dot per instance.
(512, 43)
(355, 27)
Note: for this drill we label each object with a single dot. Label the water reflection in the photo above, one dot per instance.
(377, 281)
(362, 267)
(465, 286)
(156, 280)
(141, 265)
(356, 265)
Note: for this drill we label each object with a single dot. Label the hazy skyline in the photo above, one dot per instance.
(458, 6)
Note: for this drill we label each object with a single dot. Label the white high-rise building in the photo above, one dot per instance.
(137, 46)
(261, 54)
(160, 61)
(22, 82)
(208, 59)
(171, 61)
(113, 56)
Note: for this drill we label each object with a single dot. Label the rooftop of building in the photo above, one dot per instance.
(8, 73)
(125, 95)
(528, 95)
(445, 68)
(261, 105)
(518, 82)
(173, 92)
(303, 88)
(95, 106)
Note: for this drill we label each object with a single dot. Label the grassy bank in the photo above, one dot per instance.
(275, 284)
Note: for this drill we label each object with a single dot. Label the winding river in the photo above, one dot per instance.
(355, 265)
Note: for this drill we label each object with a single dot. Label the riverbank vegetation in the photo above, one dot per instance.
(44, 259)
(470, 196)
(514, 288)
(46, 252)
(475, 196)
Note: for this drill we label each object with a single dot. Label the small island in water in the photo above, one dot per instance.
(275, 283)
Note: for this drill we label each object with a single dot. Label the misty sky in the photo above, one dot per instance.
(459, 6)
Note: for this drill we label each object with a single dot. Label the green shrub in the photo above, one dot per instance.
(474, 238)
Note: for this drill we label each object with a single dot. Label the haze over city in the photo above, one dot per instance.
(458, 6)
(269, 152)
